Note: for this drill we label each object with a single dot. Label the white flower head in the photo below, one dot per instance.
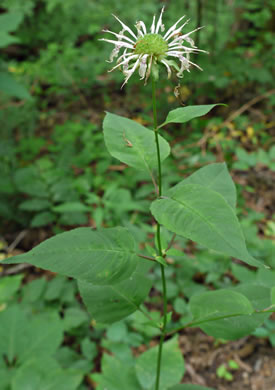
(148, 48)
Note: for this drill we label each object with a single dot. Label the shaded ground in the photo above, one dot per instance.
(255, 357)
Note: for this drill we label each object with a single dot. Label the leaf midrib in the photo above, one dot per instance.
(205, 220)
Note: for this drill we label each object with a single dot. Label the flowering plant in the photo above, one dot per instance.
(112, 273)
(144, 50)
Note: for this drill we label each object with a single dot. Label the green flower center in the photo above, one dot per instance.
(152, 44)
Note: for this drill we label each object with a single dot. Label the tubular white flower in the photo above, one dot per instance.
(143, 66)
(160, 25)
(145, 49)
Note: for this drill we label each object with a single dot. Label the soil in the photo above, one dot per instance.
(255, 358)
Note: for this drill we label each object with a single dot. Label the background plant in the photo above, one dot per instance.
(54, 103)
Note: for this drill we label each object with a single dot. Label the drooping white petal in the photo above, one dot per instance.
(195, 65)
(131, 71)
(126, 28)
(159, 24)
(173, 27)
(143, 66)
(187, 49)
(153, 25)
(184, 66)
(139, 32)
(177, 52)
(119, 36)
(148, 69)
(167, 67)
(118, 43)
(142, 25)
(124, 55)
(189, 40)
(114, 53)
(124, 62)
(177, 91)
(177, 31)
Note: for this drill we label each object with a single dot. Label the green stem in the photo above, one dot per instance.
(163, 330)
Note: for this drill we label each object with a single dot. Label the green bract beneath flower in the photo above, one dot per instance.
(152, 44)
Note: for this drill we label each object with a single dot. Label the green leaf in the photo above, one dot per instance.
(208, 308)
(108, 304)
(8, 84)
(6, 375)
(266, 277)
(89, 349)
(6, 40)
(204, 216)
(29, 180)
(9, 286)
(42, 339)
(55, 287)
(185, 114)
(10, 21)
(273, 296)
(35, 204)
(74, 317)
(42, 219)
(102, 257)
(71, 207)
(45, 374)
(215, 177)
(13, 328)
(189, 387)
(259, 297)
(132, 143)
(32, 291)
(117, 332)
(172, 366)
(116, 374)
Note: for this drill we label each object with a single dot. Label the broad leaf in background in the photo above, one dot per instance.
(13, 330)
(22, 337)
(116, 374)
(45, 373)
(107, 304)
(8, 287)
(102, 257)
(132, 143)
(189, 387)
(213, 176)
(185, 114)
(11, 87)
(9, 22)
(209, 307)
(204, 216)
(259, 297)
(42, 339)
(172, 366)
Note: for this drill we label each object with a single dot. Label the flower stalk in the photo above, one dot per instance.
(163, 329)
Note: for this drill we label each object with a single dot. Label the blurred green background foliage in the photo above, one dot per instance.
(56, 173)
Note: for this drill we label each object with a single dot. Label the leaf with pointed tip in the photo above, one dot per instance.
(215, 177)
(108, 304)
(185, 114)
(102, 257)
(132, 143)
(208, 309)
(172, 366)
(204, 216)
